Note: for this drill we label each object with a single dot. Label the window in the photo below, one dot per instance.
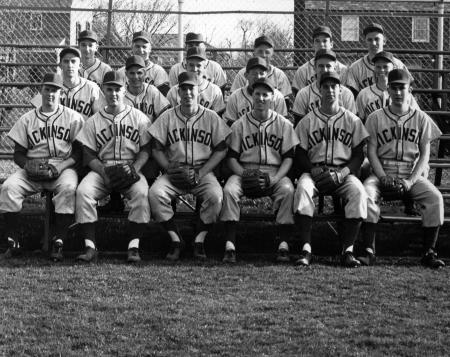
(36, 22)
(350, 28)
(421, 29)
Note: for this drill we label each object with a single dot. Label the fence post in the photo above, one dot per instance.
(180, 30)
(327, 12)
(108, 30)
(440, 46)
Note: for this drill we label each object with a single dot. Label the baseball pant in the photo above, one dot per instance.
(92, 189)
(282, 197)
(18, 186)
(351, 191)
(209, 191)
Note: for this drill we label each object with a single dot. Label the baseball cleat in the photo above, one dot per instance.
(283, 256)
(304, 259)
(367, 259)
(56, 254)
(199, 251)
(88, 256)
(14, 249)
(349, 261)
(431, 260)
(175, 251)
(133, 255)
(229, 257)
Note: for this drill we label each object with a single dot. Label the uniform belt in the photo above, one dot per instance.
(116, 162)
(259, 166)
(385, 162)
(318, 164)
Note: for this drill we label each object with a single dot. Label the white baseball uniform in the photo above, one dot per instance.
(188, 140)
(261, 145)
(149, 101)
(213, 73)
(398, 140)
(329, 140)
(95, 72)
(45, 136)
(154, 74)
(115, 139)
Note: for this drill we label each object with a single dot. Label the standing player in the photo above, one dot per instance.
(309, 97)
(91, 67)
(399, 151)
(191, 136)
(240, 101)
(306, 73)
(117, 135)
(360, 73)
(330, 154)
(44, 136)
(260, 140)
(209, 95)
(213, 70)
(154, 73)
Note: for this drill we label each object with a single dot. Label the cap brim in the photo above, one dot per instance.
(71, 50)
(87, 39)
(259, 84)
(117, 83)
(196, 56)
(141, 38)
(53, 84)
(326, 56)
(330, 79)
(399, 81)
(191, 83)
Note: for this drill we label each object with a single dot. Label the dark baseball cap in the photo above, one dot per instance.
(188, 78)
(330, 76)
(193, 37)
(263, 40)
(264, 82)
(134, 61)
(114, 77)
(142, 35)
(256, 62)
(67, 50)
(322, 30)
(87, 35)
(196, 52)
(387, 56)
(398, 76)
(53, 79)
(325, 54)
(373, 27)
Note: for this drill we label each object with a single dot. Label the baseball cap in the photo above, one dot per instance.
(196, 52)
(325, 54)
(53, 79)
(383, 55)
(264, 82)
(67, 50)
(329, 76)
(373, 27)
(114, 77)
(263, 40)
(322, 30)
(256, 62)
(398, 76)
(193, 37)
(87, 35)
(134, 61)
(142, 35)
(188, 78)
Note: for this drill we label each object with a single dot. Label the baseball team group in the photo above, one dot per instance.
(355, 133)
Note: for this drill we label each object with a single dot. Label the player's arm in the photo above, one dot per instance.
(142, 157)
(356, 159)
(75, 156)
(91, 159)
(302, 161)
(373, 157)
(159, 155)
(233, 162)
(421, 166)
(164, 88)
(20, 155)
(284, 168)
(219, 153)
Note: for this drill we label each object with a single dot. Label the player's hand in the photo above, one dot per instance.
(407, 184)
(106, 179)
(387, 181)
(316, 170)
(273, 181)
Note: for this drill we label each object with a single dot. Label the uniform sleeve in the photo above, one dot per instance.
(430, 130)
(160, 103)
(161, 76)
(36, 101)
(86, 135)
(297, 81)
(18, 132)
(172, 96)
(360, 133)
(280, 105)
(413, 103)
(144, 124)
(350, 78)
(218, 104)
(290, 138)
(231, 112)
(76, 126)
(173, 75)
(220, 77)
(302, 131)
(360, 106)
(284, 86)
(371, 124)
(300, 105)
(158, 129)
(235, 140)
(342, 70)
(348, 100)
(239, 81)
(220, 130)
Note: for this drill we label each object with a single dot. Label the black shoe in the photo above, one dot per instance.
(431, 260)
(88, 256)
(114, 205)
(283, 256)
(56, 254)
(349, 261)
(229, 256)
(199, 251)
(13, 250)
(133, 255)
(304, 259)
(175, 251)
(367, 259)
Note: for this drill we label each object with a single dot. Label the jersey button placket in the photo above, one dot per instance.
(117, 139)
(189, 143)
(262, 151)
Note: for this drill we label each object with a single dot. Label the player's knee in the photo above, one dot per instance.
(287, 189)
(214, 197)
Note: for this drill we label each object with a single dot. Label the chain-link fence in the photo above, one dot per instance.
(34, 31)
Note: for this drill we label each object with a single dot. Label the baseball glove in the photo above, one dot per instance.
(392, 189)
(183, 176)
(121, 176)
(40, 170)
(255, 183)
(326, 179)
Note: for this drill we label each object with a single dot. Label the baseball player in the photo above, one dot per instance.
(306, 73)
(310, 96)
(209, 94)
(263, 47)
(331, 145)
(91, 67)
(399, 150)
(265, 140)
(46, 133)
(240, 101)
(79, 94)
(360, 73)
(213, 70)
(118, 134)
(193, 135)
(154, 73)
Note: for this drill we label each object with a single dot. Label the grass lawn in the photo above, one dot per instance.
(255, 308)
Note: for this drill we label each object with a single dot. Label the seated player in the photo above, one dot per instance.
(399, 151)
(46, 153)
(116, 145)
(189, 141)
(330, 154)
(262, 147)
